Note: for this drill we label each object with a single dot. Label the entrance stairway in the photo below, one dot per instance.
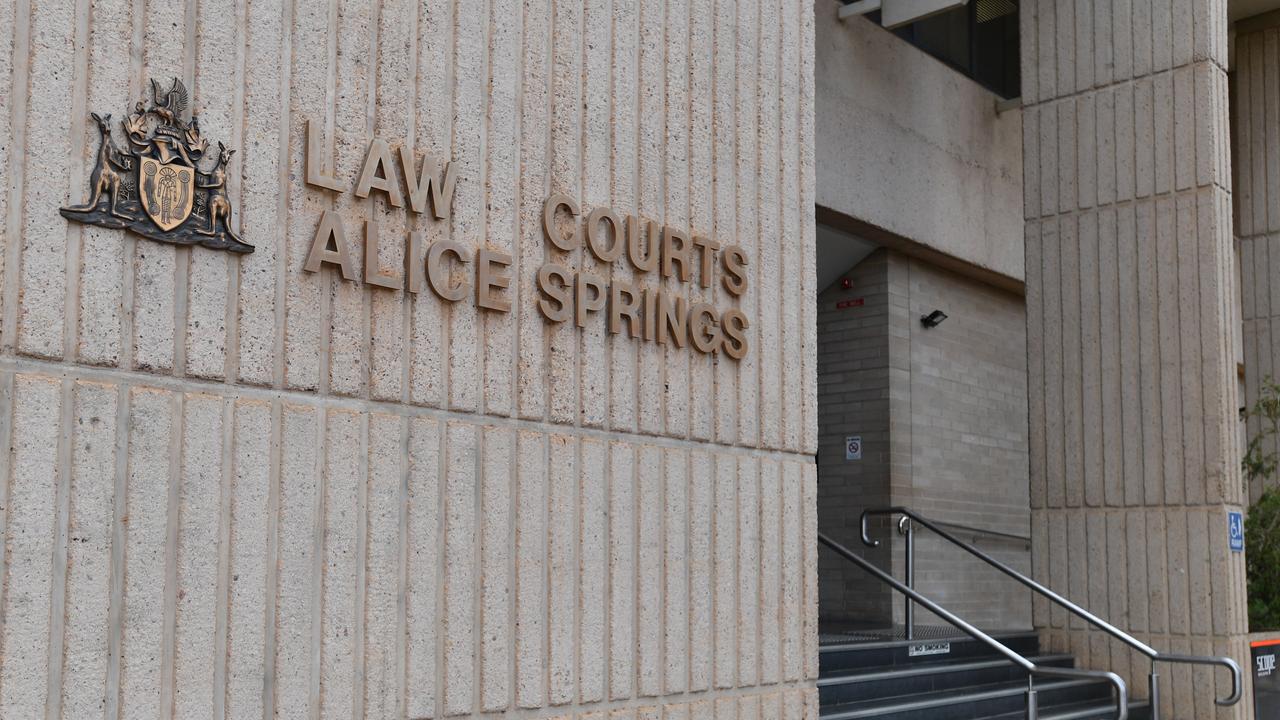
(882, 680)
(977, 675)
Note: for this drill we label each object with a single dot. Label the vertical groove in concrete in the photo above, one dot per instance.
(675, 560)
(58, 568)
(701, 587)
(676, 197)
(75, 236)
(15, 14)
(648, 188)
(702, 398)
(222, 609)
(115, 614)
(622, 571)
(592, 564)
(297, 492)
(768, 252)
(495, 619)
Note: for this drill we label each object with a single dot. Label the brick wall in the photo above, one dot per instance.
(968, 435)
(853, 399)
(942, 415)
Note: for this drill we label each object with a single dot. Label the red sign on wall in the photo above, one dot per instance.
(856, 302)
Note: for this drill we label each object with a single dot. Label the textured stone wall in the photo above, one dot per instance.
(1130, 287)
(236, 489)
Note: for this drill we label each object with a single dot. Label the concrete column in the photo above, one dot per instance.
(1256, 172)
(1130, 282)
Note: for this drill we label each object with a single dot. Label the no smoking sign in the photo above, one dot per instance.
(853, 448)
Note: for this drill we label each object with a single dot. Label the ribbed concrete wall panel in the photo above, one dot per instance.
(1131, 320)
(330, 513)
(237, 489)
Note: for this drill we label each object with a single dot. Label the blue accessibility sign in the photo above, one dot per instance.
(1235, 531)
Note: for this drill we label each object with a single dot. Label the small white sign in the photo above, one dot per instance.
(1266, 665)
(937, 648)
(853, 448)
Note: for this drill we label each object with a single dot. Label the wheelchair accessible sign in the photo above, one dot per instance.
(1235, 531)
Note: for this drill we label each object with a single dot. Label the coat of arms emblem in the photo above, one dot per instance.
(165, 184)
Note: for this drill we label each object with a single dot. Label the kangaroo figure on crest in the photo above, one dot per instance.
(105, 179)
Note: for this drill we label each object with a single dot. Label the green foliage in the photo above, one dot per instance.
(1262, 535)
(1258, 463)
(1262, 526)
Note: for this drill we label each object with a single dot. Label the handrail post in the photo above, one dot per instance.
(909, 607)
(1154, 685)
(1033, 703)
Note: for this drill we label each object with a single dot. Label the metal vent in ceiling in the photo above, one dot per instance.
(988, 10)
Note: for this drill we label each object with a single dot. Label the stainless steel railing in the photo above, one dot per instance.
(977, 532)
(910, 518)
(1033, 713)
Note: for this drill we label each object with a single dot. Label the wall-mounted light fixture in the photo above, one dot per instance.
(933, 319)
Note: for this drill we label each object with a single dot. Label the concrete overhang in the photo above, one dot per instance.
(1241, 9)
(1246, 16)
(838, 252)
(913, 155)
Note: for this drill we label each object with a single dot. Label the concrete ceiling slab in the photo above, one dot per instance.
(1240, 9)
(838, 252)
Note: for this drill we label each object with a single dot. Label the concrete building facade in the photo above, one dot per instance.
(240, 489)
(1132, 302)
(534, 392)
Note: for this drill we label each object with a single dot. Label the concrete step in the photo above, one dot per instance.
(837, 658)
(971, 703)
(873, 682)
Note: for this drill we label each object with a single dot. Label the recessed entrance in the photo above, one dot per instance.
(922, 403)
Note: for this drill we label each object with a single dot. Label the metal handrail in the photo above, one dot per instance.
(1237, 679)
(977, 531)
(1033, 669)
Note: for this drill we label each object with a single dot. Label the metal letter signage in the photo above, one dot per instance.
(654, 312)
(164, 185)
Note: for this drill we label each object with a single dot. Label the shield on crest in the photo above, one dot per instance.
(167, 191)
